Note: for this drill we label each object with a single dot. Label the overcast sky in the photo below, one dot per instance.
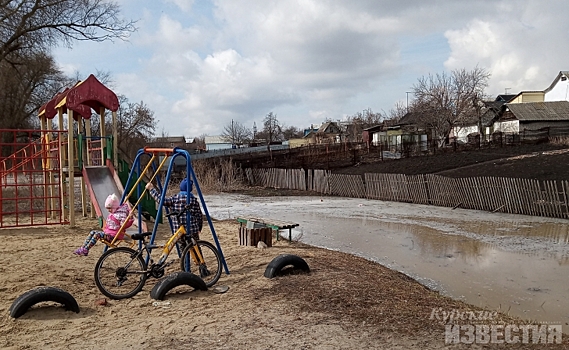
(199, 64)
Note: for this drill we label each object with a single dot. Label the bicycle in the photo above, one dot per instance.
(121, 272)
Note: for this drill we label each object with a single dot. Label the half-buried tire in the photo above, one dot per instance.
(276, 266)
(174, 280)
(41, 294)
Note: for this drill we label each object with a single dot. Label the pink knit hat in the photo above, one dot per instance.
(112, 202)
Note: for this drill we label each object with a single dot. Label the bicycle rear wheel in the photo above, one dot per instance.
(120, 273)
(210, 269)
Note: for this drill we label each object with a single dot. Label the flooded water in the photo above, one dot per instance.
(513, 263)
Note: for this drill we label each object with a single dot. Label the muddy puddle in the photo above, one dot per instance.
(513, 263)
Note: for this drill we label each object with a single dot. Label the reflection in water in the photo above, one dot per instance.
(433, 242)
(534, 238)
(531, 238)
(556, 233)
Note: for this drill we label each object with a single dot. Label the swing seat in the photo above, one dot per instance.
(122, 233)
(124, 239)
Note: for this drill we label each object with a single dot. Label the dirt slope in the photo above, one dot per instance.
(542, 162)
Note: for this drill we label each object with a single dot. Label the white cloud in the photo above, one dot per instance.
(199, 65)
(516, 47)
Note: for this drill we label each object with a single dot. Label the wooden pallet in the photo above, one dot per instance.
(277, 225)
(252, 236)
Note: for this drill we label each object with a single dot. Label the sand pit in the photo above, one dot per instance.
(345, 302)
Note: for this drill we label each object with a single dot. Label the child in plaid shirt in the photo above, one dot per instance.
(177, 203)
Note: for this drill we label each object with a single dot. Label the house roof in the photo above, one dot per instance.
(215, 139)
(540, 111)
(504, 98)
(491, 110)
(324, 128)
(489, 116)
(527, 92)
(169, 139)
(409, 118)
(374, 128)
(561, 74)
(309, 134)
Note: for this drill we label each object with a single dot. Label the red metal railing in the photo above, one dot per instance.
(30, 188)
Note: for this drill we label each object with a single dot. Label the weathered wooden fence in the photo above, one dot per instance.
(293, 179)
(507, 195)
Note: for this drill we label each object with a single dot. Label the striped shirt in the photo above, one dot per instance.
(177, 203)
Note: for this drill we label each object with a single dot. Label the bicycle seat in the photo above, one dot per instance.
(140, 236)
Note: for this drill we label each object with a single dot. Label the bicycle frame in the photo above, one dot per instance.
(169, 246)
(196, 254)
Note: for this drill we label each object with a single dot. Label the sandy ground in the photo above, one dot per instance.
(345, 302)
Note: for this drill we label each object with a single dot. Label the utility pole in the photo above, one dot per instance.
(407, 93)
(233, 136)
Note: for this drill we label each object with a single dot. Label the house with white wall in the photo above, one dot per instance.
(519, 117)
(559, 88)
(213, 143)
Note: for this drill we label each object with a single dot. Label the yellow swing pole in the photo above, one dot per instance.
(140, 177)
(141, 195)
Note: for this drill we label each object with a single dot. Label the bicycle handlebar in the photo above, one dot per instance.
(178, 214)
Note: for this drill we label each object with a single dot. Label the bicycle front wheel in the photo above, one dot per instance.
(209, 269)
(120, 273)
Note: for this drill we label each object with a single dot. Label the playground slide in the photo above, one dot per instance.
(102, 181)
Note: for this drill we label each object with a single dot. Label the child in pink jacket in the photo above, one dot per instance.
(117, 215)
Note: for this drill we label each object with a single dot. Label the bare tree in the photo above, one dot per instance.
(272, 129)
(397, 112)
(200, 141)
(37, 25)
(28, 29)
(24, 88)
(444, 101)
(164, 133)
(235, 133)
(361, 120)
(135, 125)
(292, 132)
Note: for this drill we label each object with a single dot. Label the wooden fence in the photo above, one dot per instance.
(293, 179)
(495, 194)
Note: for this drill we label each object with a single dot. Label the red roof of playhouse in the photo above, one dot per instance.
(48, 111)
(94, 94)
(82, 110)
(85, 95)
(50, 108)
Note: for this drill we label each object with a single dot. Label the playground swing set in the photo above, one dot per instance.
(135, 183)
(122, 271)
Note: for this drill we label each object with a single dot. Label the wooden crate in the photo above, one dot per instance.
(252, 236)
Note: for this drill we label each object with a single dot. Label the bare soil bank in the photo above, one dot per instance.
(541, 162)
